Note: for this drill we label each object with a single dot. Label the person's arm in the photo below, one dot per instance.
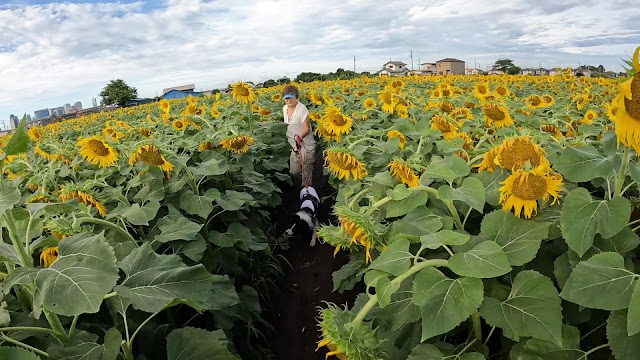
(305, 128)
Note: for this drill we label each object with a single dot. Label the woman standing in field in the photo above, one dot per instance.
(299, 135)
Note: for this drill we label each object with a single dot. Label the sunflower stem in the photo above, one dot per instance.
(21, 344)
(78, 221)
(477, 326)
(420, 145)
(54, 321)
(353, 144)
(373, 300)
(469, 345)
(595, 349)
(355, 199)
(623, 173)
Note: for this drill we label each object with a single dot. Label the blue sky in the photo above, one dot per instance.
(52, 53)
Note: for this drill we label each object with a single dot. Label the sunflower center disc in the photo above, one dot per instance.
(633, 105)
(518, 154)
(238, 143)
(532, 188)
(494, 113)
(151, 157)
(242, 91)
(98, 148)
(338, 120)
(535, 101)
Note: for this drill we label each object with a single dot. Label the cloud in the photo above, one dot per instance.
(55, 53)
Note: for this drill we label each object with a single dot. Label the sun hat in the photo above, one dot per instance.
(289, 96)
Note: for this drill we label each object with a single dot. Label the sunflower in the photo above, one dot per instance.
(468, 142)
(264, 112)
(523, 189)
(344, 340)
(315, 116)
(38, 199)
(489, 159)
(35, 134)
(461, 115)
(612, 110)
(627, 119)
(45, 155)
(496, 114)
(589, 116)
(551, 129)
(362, 230)
(369, 103)
(548, 100)
(315, 98)
(402, 110)
(399, 135)
(151, 155)
(71, 192)
(515, 152)
(447, 107)
(237, 144)
(343, 164)
(448, 129)
(145, 132)
(242, 92)
(336, 122)
(534, 102)
(276, 97)
(48, 256)
(322, 132)
(178, 125)
(207, 146)
(403, 172)
(388, 101)
(165, 106)
(481, 91)
(502, 91)
(214, 112)
(97, 151)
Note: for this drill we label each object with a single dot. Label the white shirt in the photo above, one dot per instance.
(295, 126)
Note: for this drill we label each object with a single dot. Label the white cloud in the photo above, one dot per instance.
(58, 53)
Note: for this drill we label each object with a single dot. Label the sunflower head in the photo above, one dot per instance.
(237, 144)
(242, 92)
(589, 116)
(403, 172)
(388, 101)
(517, 152)
(165, 106)
(336, 122)
(551, 129)
(86, 196)
(207, 146)
(522, 190)
(369, 103)
(96, 151)
(146, 132)
(399, 135)
(627, 119)
(533, 102)
(481, 90)
(447, 107)
(344, 340)
(179, 124)
(402, 110)
(361, 229)
(315, 98)
(151, 155)
(449, 129)
(48, 256)
(334, 236)
(489, 159)
(496, 115)
(34, 133)
(344, 164)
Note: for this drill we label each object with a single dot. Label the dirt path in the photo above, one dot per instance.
(307, 284)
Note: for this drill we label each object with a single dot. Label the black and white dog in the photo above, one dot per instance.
(305, 220)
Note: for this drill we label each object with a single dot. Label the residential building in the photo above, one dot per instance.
(41, 114)
(187, 88)
(528, 71)
(77, 105)
(584, 71)
(393, 68)
(137, 101)
(611, 74)
(472, 71)
(541, 71)
(495, 72)
(14, 121)
(28, 118)
(450, 66)
(179, 94)
(67, 108)
(429, 68)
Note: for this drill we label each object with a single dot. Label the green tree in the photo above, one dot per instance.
(117, 92)
(504, 65)
(514, 70)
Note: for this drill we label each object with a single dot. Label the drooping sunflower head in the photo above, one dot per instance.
(237, 144)
(388, 101)
(146, 132)
(402, 110)
(334, 236)
(165, 106)
(207, 146)
(336, 122)
(489, 159)
(612, 110)
(448, 129)
(551, 129)
(264, 112)
(48, 256)
(462, 114)
(516, 152)
(447, 106)
(277, 97)
(150, 154)
(399, 135)
(97, 151)
(322, 132)
(534, 102)
(369, 103)
(34, 133)
(242, 92)
(361, 229)
(343, 339)
(468, 142)
(496, 115)
(548, 100)
(522, 190)
(86, 196)
(403, 172)
(627, 120)
(344, 164)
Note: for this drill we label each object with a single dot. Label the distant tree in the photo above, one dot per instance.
(117, 92)
(365, 73)
(284, 80)
(270, 83)
(308, 77)
(504, 65)
(601, 69)
(514, 70)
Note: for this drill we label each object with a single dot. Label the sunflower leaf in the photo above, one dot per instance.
(19, 141)
(199, 205)
(237, 235)
(444, 237)
(584, 163)
(444, 302)
(198, 344)
(532, 309)
(395, 259)
(582, 218)
(16, 353)
(485, 260)
(401, 207)
(177, 227)
(471, 192)
(602, 274)
(623, 346)
(448, 168)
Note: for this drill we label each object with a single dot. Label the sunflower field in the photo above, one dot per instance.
(489, 217)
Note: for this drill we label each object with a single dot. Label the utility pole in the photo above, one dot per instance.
(354, 66)
(411, 60)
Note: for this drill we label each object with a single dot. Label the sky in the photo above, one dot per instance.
(52, 53)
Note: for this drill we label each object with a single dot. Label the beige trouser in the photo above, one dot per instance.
(295, 168)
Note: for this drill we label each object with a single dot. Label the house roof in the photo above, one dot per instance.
(393, 71)
(395, 63)
(427, 63)
(180, 88)
(449, 60)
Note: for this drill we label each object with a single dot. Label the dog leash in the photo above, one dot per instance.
(300, 145)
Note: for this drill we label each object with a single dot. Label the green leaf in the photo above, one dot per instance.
(16, 353)
(536, 349)
(622, 242)
(199, 205)
(585, 163)
(154, 281)
(633, 319)
(197, 344)
(398, 208)
(520, 239)
(153, 190)
(237, 234)
(63, 287)
(491, 183)
(348, 275)
(19, 141)
(177, 227)
(430, 352)
(486, 260)
(132, 213)
(217, 165)
(399, 192)
(9, 197)
(444, 302)
(562, 269)
(193, 249)
(395, 259)
(223, 293)
(444, 237)
(8, 252)
(111, 347)
(623, 346)
(471, 193)
(418, 222)
(448, 168)
(602, 274)
(233, 200)
(384, 289)
(83, 346)
(582, 218)
(5, 317)
(532, 309)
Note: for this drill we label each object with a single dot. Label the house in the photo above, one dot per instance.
(541, 71)
(495, 72)
(528, 71)
(472, 71)
(393, 68)
(450, 66)
(611, 74)
(190, 87)
(137, 101)
(179, 94)
(584, 71)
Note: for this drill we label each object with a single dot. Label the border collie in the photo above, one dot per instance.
(305, 220)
